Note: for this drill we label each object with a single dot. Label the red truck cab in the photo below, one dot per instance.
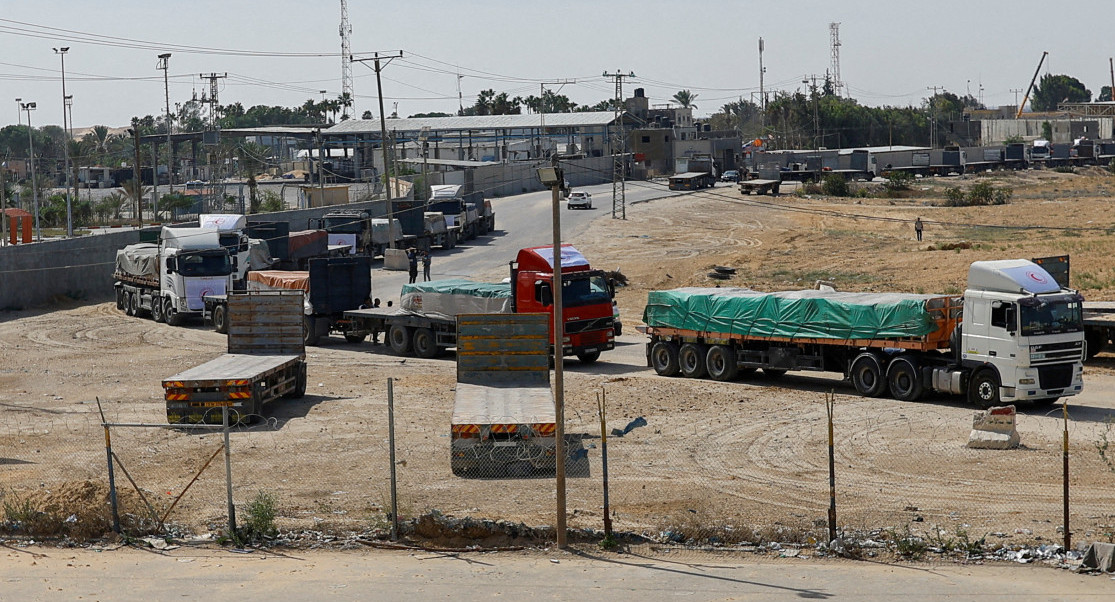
(586, 298)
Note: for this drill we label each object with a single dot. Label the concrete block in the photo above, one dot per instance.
(994, 429)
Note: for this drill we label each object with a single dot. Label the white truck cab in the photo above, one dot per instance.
(232, 232)
(1023, 335)
(193, 264)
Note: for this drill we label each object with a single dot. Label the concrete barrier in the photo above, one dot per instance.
(994, 429)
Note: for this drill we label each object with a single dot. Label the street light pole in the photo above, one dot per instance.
(19, 110)
(61, 52)
(164, 64)
(30, 106)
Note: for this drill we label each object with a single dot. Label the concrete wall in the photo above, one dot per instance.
(996, 131)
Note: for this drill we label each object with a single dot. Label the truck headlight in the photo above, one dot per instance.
(1026, 381)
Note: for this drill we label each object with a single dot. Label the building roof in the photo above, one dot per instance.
(476, 122)
(448, 162)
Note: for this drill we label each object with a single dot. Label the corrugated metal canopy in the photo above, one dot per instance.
(476, 122)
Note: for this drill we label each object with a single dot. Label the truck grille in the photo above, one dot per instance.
(588, 325)
(1056, 353)
(1055, 377)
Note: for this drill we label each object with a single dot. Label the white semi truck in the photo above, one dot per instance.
(1014, 336)
(168, 280)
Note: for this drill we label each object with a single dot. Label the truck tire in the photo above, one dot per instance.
(721, 363)
(220, 319)
(121, 304)
(903, 380)
(1096, 339)
(398, 337)
(157, 310)
(664, 358)
(309, 331)
(983, 389)
(691, 359)
(867, 375)
(424, 342)
(130, 304)
(299, 389)
(170, 314)
(588, 357)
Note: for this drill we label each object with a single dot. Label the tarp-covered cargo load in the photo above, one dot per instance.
(435, 223)
(450, 298)
(140, 260)
(308, 243)
(386, 231)
(259, 254)
(278, 280)
(807, 314)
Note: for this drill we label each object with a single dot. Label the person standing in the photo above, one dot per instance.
(412, 259)
(426, 266)
(918, 228)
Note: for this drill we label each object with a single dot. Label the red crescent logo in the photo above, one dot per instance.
(1036, 277)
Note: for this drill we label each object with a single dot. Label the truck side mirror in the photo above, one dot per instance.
(543, 293)
(1012, 321)
(171, 265)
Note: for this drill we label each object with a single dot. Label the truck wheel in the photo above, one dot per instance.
(588, 357)
(1095, 338)
(721, 363)
(425, 343)
(664, 358)
(309, 331)
(299, 389)
(983, 389)
(121, 297)
(398, 336)
(129, 304)
(902, 378)
(867, 375)
(220, 319)
(691, 359)
(170, 314)
(157, 310)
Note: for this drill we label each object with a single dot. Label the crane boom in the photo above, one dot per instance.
(1031, 88)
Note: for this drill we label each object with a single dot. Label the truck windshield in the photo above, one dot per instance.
(1051, 317)
(349, 224)
(584, 290)
(210, 264)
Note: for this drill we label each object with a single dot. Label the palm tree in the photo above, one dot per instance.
(685, 98)
(136, 190)
(253, 158)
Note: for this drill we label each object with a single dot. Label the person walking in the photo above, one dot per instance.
(412, 259)
(918, 228)
(426, 266)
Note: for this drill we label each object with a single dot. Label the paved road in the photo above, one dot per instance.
(191, 574)
(522, 221)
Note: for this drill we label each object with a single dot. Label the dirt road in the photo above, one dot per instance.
(732, 461)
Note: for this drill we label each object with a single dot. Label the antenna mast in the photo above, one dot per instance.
(347, 98)
(834, 41)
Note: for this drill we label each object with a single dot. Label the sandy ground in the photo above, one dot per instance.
(734, 461)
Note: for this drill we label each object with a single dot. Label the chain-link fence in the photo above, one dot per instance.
(689, 468)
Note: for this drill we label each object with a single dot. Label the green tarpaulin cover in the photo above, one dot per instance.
(460, 286)
(810, 314)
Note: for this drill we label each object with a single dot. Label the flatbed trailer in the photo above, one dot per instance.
(1099, 326)
(427, 336)
(504, 421)
(760, 187)
(266, 360)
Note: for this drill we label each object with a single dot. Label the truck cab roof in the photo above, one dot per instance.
(1018, 276)
(541, 259)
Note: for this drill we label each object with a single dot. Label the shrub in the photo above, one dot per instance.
(1064, 169)
(260, 522)
(898, 180)
(835, 185)
(981, 193)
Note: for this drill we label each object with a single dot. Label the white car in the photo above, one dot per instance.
(579, 200)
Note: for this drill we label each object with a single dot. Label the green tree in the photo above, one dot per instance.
(1052, 90)
(685, 98)
(1105, 94)
(253, 158)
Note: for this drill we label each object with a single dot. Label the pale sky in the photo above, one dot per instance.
(280, 52)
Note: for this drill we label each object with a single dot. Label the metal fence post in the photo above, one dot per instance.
(602, 401)
(1065, 457)
(228, 475)
(391, 453)
(830, 403)
(111, 476)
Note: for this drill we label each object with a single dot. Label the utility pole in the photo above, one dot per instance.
(164, 64)
(619, 139)
(933, 105)
(762, 91)
(30, 106)
(1111, 66)
(1016, 91)
(19, 110)
(816, 118)
(382, 119)
(61, 52)
(137, 173)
